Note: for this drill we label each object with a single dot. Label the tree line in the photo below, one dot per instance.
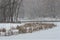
(8, 8)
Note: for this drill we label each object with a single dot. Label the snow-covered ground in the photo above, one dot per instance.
(50, 34)
(40, 19)
(9, 25)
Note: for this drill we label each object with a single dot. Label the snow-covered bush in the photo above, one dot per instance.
(3, 30)
(26, 28)
(30, 27)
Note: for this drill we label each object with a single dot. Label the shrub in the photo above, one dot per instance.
(0, 30)
(3, 30)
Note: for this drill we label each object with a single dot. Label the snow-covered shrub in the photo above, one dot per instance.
(0, 30)
(17, 27)
(26, 28)
(2, 33)
(13, 31)
(7, 33)
(3, 30)
(22, 29)
(36, 26)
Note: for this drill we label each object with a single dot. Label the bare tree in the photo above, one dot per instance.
(51, 8)
(3, 9)
(18, 7)
(9, 8)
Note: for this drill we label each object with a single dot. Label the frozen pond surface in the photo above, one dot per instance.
(50, 34)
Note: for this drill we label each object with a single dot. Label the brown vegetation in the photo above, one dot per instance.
(3, 30)
(30, 27)
(26, 28)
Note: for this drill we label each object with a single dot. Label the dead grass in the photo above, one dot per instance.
(27, 28)
(34, 27)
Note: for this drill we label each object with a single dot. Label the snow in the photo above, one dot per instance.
(2, 33)
(40, 19)
(49, 34)
(9, 25)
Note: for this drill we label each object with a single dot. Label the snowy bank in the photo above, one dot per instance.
(9, 25)
(50, 34)
(14, 29)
